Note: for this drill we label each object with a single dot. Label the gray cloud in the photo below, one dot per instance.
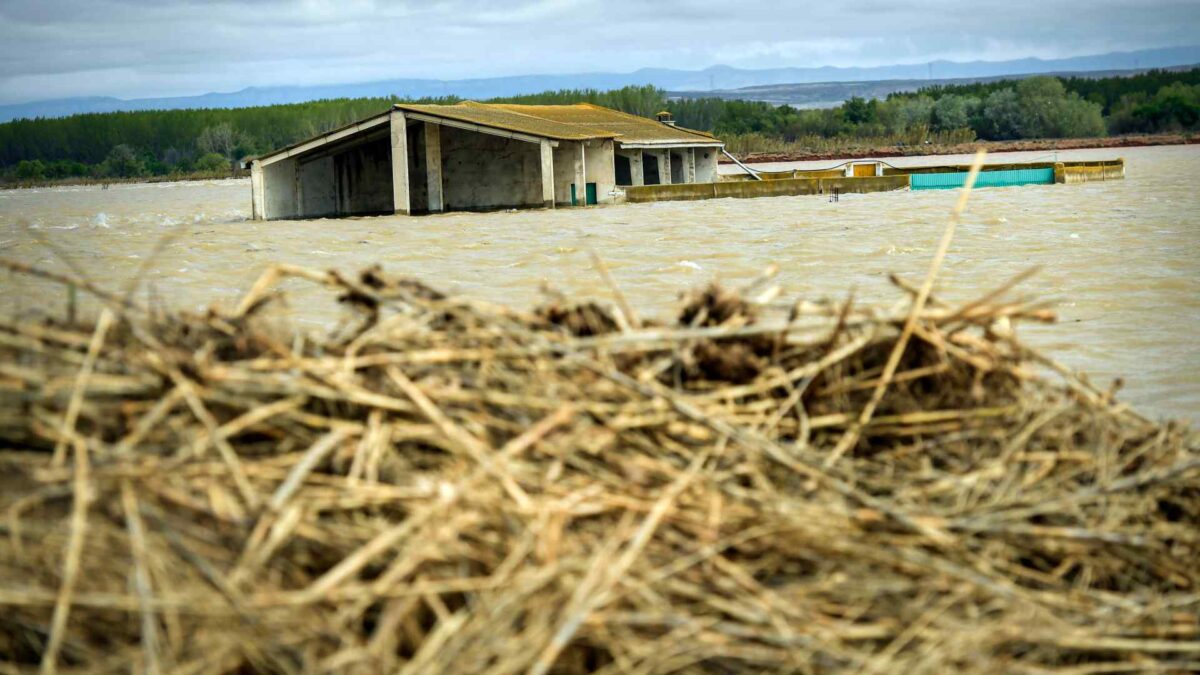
(126, 48)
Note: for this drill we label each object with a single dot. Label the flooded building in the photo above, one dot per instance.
(475, 156)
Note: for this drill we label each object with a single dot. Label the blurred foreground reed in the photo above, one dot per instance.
(443, 485)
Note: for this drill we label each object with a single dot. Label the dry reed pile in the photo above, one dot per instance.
(443, 485)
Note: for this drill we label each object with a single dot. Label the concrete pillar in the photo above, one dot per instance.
(433, 165)
(547, 174)
(400, 194)
(690, 165)
(581, 175)
(664, 167)
(297, 191)
(257, 195)
(635, 168)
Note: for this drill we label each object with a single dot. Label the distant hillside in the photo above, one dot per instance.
(831, 94)
(722, 78)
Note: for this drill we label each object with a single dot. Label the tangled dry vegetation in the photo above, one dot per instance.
(443, 485)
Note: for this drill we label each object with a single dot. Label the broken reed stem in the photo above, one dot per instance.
(81, 384)
(626, 309)
(850, 438)
(71, 558)
(141, 578)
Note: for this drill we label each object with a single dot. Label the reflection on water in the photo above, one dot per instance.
(1120, 257)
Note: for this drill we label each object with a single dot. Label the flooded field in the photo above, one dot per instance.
(1120, 258)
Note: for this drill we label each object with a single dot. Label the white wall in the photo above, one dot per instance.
(601, 169)
(279, 184)
(565, 156)
(706, 165)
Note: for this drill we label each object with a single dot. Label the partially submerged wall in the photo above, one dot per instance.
(706, 165)
(280, 189)
(566, 158)
(766, 188)
(1086, 172)
(364, 179)
(482, 171)
(318, 188)
(344, 180)
(601, 169)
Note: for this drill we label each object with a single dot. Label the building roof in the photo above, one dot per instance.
(577, 122)
(581, 121)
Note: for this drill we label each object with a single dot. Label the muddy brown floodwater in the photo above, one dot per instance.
(1121, 259)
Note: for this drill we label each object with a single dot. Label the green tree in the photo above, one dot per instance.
(1175, 107)
(211, 162)
(30, 170)
(909, 113)
(1001, 118)
(954, 112)
(222, 140)
(122, 162)
(857, 110)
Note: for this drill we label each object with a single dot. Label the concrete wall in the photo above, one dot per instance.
(1086, 172)
(706, 164)
(566, 155)
(766, 188)
(678, 166)
(364, 178)
(636, 172)
(279, 184)
(601, 169)
(318, 189)
(351, 179)
(482, 171)
(418, 177)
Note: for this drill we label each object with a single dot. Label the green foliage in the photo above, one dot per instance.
(859, 111)
(211, 162)
(1175, 107)
(954, 112)
(1151, 102)
(122, 162)
(31, 170)
(1001, 117)
(644, 100)
(166, 142)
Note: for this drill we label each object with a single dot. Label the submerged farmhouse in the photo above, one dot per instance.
(475, 156)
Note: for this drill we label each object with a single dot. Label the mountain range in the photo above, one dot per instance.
(721, 79)
(829, 94)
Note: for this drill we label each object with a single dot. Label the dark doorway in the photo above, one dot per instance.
(677, 172)
(650, 170)
(624, 174)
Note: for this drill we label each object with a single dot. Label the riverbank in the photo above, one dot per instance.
(1132, 141)
(169, 178)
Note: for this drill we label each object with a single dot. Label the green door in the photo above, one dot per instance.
(590, 194)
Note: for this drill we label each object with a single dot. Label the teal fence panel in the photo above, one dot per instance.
(943, 181)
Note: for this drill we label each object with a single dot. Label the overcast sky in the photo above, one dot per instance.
(136, 48)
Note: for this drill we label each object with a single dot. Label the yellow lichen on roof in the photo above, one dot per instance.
(626, 127)
(498, 117)
(580, 121)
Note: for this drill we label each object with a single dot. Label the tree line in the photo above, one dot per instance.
(170, 142)
(1035, 107)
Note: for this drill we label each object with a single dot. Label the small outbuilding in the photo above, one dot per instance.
(475, 156)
